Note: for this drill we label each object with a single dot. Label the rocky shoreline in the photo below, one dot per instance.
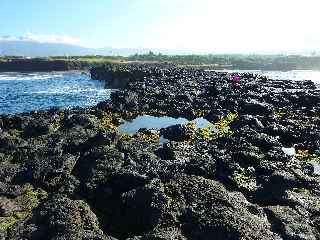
(42, 65)
(253, 174)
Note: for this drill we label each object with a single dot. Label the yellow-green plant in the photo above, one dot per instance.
(205, 133)
(25, 203)
(125, 137)
(244, 179)
(301, 190)
(280, 112)
(149, 137)
(222, 125)
(219, 129)
(106, 123)
(305, 155)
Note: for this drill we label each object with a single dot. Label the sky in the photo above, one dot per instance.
(238, 26)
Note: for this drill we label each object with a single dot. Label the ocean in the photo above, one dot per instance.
(24, 92)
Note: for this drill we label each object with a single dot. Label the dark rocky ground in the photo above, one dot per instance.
(70, 174)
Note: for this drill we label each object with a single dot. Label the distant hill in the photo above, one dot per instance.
(37, 49)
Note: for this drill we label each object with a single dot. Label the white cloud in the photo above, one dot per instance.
(241, 26)
(44, 38)
(208, 25)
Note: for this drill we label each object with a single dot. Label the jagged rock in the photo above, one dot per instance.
(50, 171)
(315, 168)
(290, 224)
(100, 182)
(256, 108)
(198, 208)
(178, 132)
(95, 167)
(84, 120)
(37, 128)
(60, 218)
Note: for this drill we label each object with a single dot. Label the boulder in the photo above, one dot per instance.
(60, 218)
(178, 132)
(254, 107)
(37, 128)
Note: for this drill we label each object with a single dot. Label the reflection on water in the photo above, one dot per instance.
(151, 122)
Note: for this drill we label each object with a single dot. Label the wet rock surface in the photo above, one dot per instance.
(71, 174)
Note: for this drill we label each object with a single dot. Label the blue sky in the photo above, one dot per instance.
(212, 25)
(96, 22)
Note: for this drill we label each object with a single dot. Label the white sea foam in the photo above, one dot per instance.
(48, 89)
(28, 76)
(71, 92)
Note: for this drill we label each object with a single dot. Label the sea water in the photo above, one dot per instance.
(24, 92)
(296, 75)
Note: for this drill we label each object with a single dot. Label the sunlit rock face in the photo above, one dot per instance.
(114, 77)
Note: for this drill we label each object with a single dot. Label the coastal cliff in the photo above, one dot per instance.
(42, 65)
(253, 173)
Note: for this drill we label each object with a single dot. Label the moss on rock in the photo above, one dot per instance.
(17, 209)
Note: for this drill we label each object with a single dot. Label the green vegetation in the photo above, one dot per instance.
(24, 204)
(88, 59)
(206, 134)
(214, 61)
(280, 112)
(149, 137)
(223, 124)
(305, 155)
(125, 137)
(93, 59)
(244, 179)
(301, 190)
(108, 122)
(217, 130)
(236, 61)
